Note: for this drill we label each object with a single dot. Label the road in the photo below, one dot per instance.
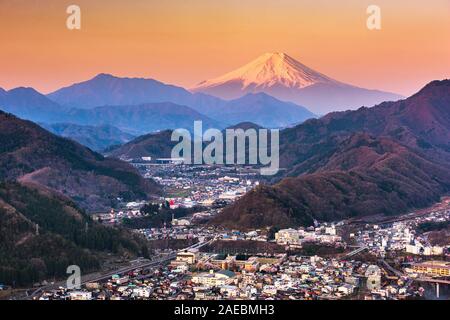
(391, 269)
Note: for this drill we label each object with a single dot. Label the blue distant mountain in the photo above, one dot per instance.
(139, 106)
(105, 89)
(29, 104)
(264, 110)
(143, 118)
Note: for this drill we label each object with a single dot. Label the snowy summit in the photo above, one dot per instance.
(271, 69)
(281, 76)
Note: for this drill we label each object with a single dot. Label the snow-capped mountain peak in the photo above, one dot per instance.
(281, 76)
(268, 70)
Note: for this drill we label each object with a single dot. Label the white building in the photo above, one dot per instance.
(347, 289)
(419, 249)
(230, 291)
(214, 279)
(270, 290)
(188, 257)
(80, 295)
(181, 222)
(330, 230)
(287, 236)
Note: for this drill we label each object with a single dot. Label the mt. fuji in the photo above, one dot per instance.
(285, 78)
(269, 70)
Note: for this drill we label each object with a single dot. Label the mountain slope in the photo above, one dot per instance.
(263, 110)
(386, 159)
(32, 155)
(271, 69)
(141, 119)
(420, 122)
(96, 138)
(157, 145)
(65, 236)
(371, 176)
(283, 77)
(106, 89)
(29, 104)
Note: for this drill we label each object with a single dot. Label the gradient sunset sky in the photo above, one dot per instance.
(183, 42)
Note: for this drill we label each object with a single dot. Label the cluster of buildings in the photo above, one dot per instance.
(155, 284)
(201, 184)
(179, 232)
(324, 234)
(297, 277)
(187, 186)
(223, 276)
(430, 268)
(236, 235)
(402, 236)
(186, 228)
(205, 276)
(129, 210)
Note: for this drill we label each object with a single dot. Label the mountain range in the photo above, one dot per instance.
(381, 160)
(275, 74)
(138, 106)
(386, 159)
(311, 150)
(285, 78)
(106, 89)
(271, 91)
(29, 104)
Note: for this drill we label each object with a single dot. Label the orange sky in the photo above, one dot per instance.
(185, 41)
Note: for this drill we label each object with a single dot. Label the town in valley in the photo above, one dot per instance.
(370, 257)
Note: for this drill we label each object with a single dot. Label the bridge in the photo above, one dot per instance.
(356, 251)
(419, 279)
(438, 282)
